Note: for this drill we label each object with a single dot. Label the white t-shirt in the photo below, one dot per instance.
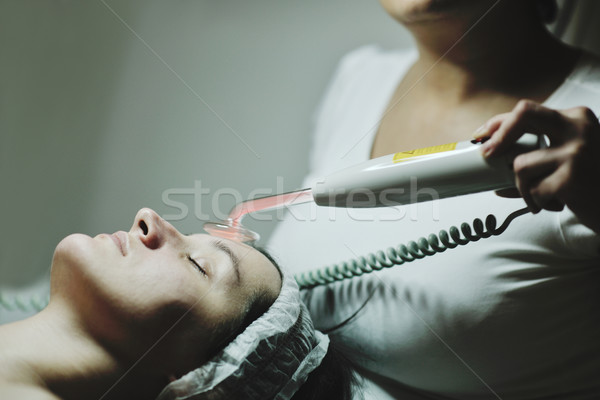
(513, 316)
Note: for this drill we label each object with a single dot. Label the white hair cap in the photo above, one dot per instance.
(271, 359)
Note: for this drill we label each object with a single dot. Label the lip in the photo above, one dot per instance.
(121, 240)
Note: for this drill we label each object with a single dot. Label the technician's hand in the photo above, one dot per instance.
(566, 173)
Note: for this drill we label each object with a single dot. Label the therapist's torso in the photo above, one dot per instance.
(513, 316)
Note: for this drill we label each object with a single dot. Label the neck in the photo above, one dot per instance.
(51, 351)
(499, 49)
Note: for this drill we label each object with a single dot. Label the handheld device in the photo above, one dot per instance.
(401, 178)
(447, 170)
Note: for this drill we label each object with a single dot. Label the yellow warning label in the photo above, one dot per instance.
(404, 155)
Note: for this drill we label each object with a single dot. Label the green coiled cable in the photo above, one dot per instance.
(16, 303)
(409, 252)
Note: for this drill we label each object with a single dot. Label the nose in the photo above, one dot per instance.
(151, 229)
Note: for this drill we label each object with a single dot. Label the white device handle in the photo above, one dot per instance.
(420, 175)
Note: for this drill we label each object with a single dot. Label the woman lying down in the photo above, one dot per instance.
(152, 313)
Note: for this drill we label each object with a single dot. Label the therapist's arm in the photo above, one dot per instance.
(567, 172)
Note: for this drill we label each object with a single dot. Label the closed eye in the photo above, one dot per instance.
(197, 266)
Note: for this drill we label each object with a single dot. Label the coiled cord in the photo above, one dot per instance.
(412, 251)
(16, 303)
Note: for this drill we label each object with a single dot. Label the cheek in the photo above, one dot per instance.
(159, 287)
(160, 282)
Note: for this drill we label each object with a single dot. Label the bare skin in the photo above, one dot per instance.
(129, 314)
(447, 95)
(50, 353)
(489, 64)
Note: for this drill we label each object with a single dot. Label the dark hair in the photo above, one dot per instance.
(260, 301)
(547, 10)
(257, 305)
(334, 379)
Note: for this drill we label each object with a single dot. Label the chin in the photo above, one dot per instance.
(73, 249)
(73, 256)
(422, 10)
(78, 274)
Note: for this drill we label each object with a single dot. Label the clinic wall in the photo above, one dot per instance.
(106, 105)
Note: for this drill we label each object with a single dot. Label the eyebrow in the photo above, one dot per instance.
(235, 261)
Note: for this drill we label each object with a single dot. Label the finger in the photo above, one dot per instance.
(554, 205)
(529, 117)
(532, 168)
(547, 192)
(525, 188)
(582, 116)
(509, 193)
(490, 126)
(535, 164)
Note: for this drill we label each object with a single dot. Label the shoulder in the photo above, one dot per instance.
(582, 87)
(24, 392)
(363, 74)
(354, 98)
(588, 71)
(361, 69)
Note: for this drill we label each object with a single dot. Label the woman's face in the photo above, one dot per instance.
(150, 281)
